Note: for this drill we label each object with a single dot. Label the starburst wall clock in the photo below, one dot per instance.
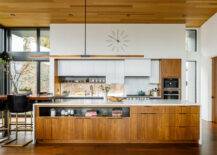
(117, 40)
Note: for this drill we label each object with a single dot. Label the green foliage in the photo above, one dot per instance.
(2, 62)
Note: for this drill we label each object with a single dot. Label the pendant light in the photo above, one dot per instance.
(85, 27)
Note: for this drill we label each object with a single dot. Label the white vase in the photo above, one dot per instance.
(105, 97)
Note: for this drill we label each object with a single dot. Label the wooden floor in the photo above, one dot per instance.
(209, 147)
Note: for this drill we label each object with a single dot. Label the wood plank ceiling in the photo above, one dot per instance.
(19, 13)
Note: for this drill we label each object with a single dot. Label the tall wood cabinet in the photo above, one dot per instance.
(170, 68)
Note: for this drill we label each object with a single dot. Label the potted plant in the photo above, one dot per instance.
(11, 71)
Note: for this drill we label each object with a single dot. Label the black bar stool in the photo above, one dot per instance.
(3, 128)
(17, 104)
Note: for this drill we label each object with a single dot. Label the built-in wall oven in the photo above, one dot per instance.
(171, 88)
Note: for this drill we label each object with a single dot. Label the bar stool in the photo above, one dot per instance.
(3, 128)
(17, 104)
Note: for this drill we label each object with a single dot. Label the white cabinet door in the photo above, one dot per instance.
(110, 72)
(115, 72)
(119, 72)
(155, 72)
(137, 67)
(99, 67)
(74, 68)
(68, 68)
(87, 68)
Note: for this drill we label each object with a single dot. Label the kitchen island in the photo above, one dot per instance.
(132, 121)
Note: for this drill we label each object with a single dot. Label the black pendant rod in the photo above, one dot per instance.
(85, 27)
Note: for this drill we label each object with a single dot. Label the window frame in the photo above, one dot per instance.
(196, 39)
(38, 50)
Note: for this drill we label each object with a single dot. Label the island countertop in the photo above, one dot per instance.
(127, 103)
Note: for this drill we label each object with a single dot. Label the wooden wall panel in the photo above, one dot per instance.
(193, 13)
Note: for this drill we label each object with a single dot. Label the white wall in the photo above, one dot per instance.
(208, 50)
(67, 38)
(152, 40)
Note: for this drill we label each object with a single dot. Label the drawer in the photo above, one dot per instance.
(188, 109)
(184, 120)
(184, 133)
(150, 109)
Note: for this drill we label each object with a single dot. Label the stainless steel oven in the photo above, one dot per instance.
(171, 88)
(171, 83)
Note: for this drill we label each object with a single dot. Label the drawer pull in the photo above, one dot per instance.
(183, 113)
(149, 113)
(183, 126)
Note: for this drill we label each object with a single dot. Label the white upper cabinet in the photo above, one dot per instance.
(99, 67)
(155, 72)
(115, 72)
(137, 67)
(70, 68)
(112, 69)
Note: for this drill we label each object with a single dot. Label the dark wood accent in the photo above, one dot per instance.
(154, 124)
(214, 89)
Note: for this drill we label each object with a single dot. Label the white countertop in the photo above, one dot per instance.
(127, 103)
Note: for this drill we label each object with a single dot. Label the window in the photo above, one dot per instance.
(29, 40)
(191, 40)
(23, 77)
(44, 40)
(1, 40)
(23, 40)
(44, 77)
(34, 73)
(1, 67)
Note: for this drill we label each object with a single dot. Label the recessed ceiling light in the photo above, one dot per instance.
(12, 14)
(128, 15)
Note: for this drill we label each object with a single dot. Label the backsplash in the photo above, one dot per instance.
(84, 89)
(135, 84)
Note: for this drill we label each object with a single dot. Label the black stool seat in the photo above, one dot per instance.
(17, 103)
(3, 106)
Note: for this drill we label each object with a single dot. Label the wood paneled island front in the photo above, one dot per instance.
(156, 121)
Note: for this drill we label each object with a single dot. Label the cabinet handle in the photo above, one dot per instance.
(115, 117)
(183, 113)
(182, 126)
(149, 113)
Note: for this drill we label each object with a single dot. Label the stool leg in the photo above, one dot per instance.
(16, 125)
(31, 120)
(3, 119)
(9, 123)
(25, 120)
